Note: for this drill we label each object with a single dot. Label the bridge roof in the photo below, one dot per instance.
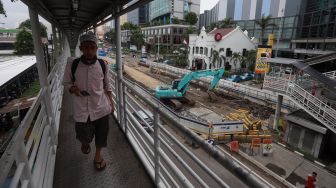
(73, 16)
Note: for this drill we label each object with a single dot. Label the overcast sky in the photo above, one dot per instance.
(18, 12)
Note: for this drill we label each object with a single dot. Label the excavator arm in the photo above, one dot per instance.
(185, 81)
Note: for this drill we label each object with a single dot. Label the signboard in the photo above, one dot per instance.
(263, 54)
(234, 146)
(267, 146)
(256, 142)
(271, 40)
(228, 127)
(218, 37)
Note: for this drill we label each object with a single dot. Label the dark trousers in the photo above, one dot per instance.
(97, 129)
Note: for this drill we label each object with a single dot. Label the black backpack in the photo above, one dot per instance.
(75, 65)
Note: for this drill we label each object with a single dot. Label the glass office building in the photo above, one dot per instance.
(159, 8)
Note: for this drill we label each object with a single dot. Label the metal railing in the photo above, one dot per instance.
(29, 159)
(311, 104)
(331, 74)
(154, 150)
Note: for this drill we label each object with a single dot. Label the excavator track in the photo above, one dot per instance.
(173, 103)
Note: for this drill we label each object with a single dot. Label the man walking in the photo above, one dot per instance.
(87, 79)
(311, 180)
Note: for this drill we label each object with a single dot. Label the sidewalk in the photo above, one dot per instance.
(293, 167)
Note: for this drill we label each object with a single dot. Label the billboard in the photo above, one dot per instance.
(263, 53)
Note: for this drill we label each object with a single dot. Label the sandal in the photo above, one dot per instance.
(99, 165)
(86, 148)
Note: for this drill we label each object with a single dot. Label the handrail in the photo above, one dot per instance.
(310, 103)
(249, 178)
(32, 148)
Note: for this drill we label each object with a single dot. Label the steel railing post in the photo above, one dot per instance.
(119, 65)
(156, 147)
(43, 77)
(124, 108)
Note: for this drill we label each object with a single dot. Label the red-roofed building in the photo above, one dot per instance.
(225, 41)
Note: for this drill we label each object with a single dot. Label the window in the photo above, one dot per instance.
(193, 50)
(206, 51)
(196, 50)
(201, 50)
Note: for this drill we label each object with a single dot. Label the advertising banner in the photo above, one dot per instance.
(263, 54)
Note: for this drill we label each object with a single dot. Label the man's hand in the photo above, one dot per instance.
(75, 90)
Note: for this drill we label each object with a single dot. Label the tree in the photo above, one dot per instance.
(175, 20)
(191, 18)
(227, 22)
(110, 36)
(212, 26)
(263, 23)
(250, 59)
(128, 26)
(137, 37)
(27, 24)
(215, 58)
(24, 43)
(2, 10)
(235, 58)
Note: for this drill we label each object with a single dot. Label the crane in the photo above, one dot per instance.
(178, 88)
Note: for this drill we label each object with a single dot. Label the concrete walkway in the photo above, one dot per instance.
(74, 169)
(293, 167)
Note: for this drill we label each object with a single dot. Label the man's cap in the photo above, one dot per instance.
(88, 37)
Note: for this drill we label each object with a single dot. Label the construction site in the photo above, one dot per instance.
(225, 117)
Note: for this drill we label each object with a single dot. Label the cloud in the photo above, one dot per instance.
(17, 12)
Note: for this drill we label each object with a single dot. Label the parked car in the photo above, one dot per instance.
(144, 116)
(143, 62)
(168, 62)
(235, 78)
(247, 76)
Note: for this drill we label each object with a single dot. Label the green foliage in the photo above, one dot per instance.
(215, 57)
(24, 43)
(191, 18)
(211, 27)
(175, 20)
(137, 37)
(235, 58)
(263, 23)
(110, 36)
(128, 26)
(27, 24)
(250, 59)
(2, 10)
(226, 23)
(182, 58)
(32, 90)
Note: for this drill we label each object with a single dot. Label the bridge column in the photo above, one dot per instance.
(119, 67)
(277, 112)
(54, 41)
(43, 76)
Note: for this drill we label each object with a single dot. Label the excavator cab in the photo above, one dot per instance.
(175, 83)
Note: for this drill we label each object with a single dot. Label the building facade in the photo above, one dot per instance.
(170, 36)
(138, 16)
(280, 8)
(166, 9)
(223, 9)
(223, 41)
(251, 9)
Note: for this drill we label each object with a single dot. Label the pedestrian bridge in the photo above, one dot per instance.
(44, 152)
